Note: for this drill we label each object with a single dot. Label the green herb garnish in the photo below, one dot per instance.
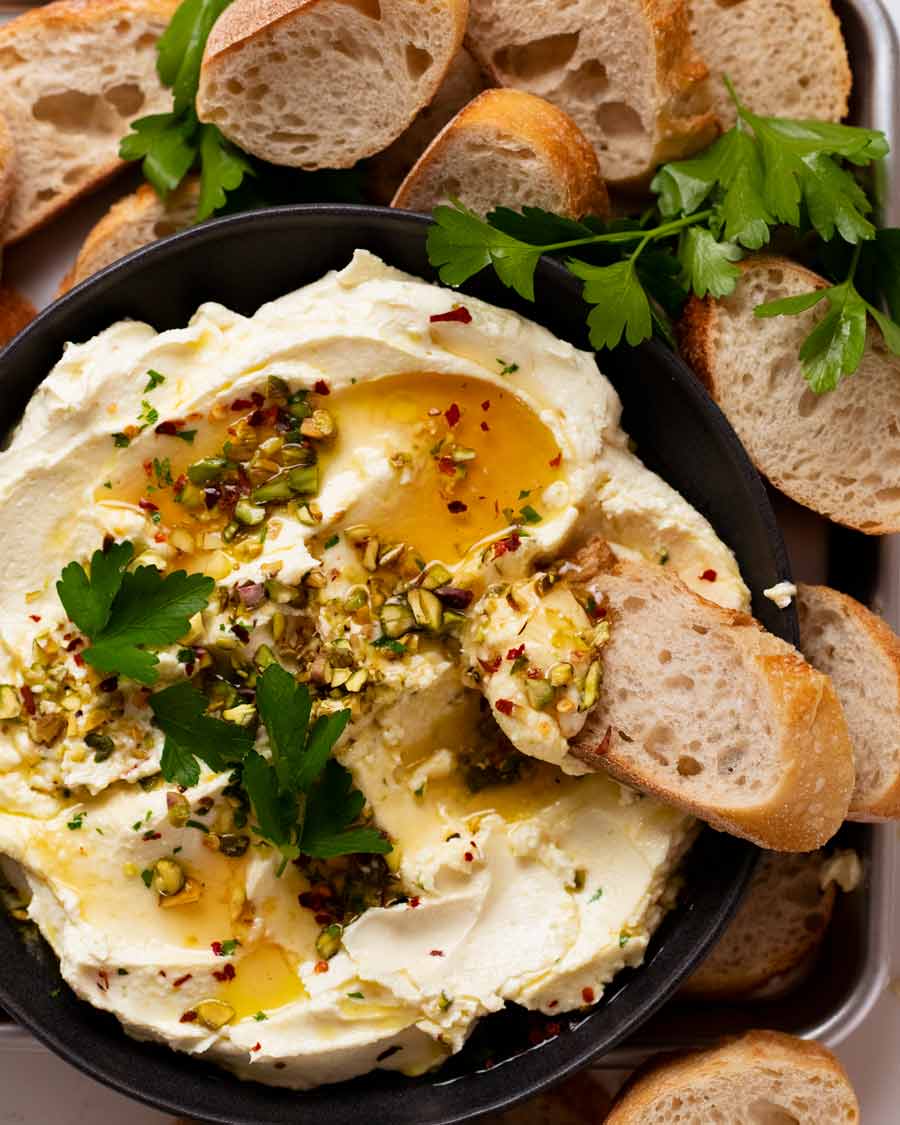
(180, 712)
(122, 611)
(764, 173)
(76, 822)
(154, 379)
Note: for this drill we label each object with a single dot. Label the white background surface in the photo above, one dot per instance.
(36, 1088)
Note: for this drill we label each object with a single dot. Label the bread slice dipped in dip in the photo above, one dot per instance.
(250, 789)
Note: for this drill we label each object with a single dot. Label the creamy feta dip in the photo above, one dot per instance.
(374, 472)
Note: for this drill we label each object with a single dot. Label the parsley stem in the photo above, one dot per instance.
(854, 261)
(631, 235)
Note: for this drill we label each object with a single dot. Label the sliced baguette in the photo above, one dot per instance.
(762, 1076)
(702, 708)
(778, 926)
(624, 70)
(787, 59)
(133, 222)
(837, 453)
(15, 312)
(386, 170)
(7, 171)
(73, 75)
(861, 654)
(512, 148)
(323, 83)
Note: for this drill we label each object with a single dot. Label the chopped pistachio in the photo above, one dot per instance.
(168, 877)
(214, 1014)
(263, 657)
(304, 479)
(436, 575)
(357, 681)
(293, 454)
(230, 530)
(560, 674)
(47, 729)
(396, 618)
(278, 488)
(370, 555)
(233, 845)
(539, 692)
(461, 453)
(10, 704)
(316, 579)
(426, 608)
(248, 514)
(356, 598)
(340, 676)
(206, 470)
(191, 892)
(278, 626)
(329, 941)
(182, 541)
(319, 426)
(179, 809)
(309, 514)
(391, 554)
(358, 534)
(600, 635)
(243, 715)
(277, 388)
(591, 689)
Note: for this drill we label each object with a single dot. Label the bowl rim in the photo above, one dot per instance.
(504, 1084)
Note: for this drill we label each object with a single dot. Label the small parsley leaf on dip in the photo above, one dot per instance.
(122, 610)
(154, 379)
(180, 712)
(294, 811)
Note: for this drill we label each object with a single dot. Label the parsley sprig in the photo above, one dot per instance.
(125, 612)
(170, 144)
(765, 173)
(303, 799)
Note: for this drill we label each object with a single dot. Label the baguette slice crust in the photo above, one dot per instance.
(779, 925)
(705, 710)
(386, 170)
(324, 83)
(837, 453)
(861, 654)
(762, 1076)
(624, 70)
(15, 312)
(134, 221)
(73, 76)
(508, 147)
(785, 59)
(7, 170)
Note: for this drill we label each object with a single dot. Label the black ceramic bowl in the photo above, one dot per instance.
(243, 262)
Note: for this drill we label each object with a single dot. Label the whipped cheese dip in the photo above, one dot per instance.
(456, 447)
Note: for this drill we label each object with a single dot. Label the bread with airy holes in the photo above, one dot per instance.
(778, 926)
(758, 1077)
(508, 147)
(705, 710)
(73, 76)
(861, 654)
(786, 59)
(7, 170)
(134, 221)
(323, 83)
(386, 170)
(837, 453)
(624, 70)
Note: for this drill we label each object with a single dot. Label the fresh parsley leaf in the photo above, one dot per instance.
(284, 707)
(180, 48)
(333, 805)
(460, 244)
(180, 713)
(889, 329)
(222, 169)
(164, 143)
(88, 601)
(154, 379)
(121, 441)
(709, 265)
(620, 303)
(148, 609)
(886, 252)
(326, 730)
(791, 306)
(276, 811)
(539, 227)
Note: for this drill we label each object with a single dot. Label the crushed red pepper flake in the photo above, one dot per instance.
(515, 653)
(436, 953)
(468, 857)
(28, 699)
(486, 405)
(587, 995)
(321, 967)
(79, 659)
(147, 505)
(189, 1016)
(170, 427)
(227, 973)
(452, 414)
(456, 507)
(241, 404)
(34, 616)
(458, 313)
(709, 576)
(414, 902)
(504, 706)
(447, 466)
(508, 545)
(151, 835)
(490, 666)
(556, 461)
(485, 426)
(182, 980)
(258, 1046)
(321, 387)
(103, 980)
